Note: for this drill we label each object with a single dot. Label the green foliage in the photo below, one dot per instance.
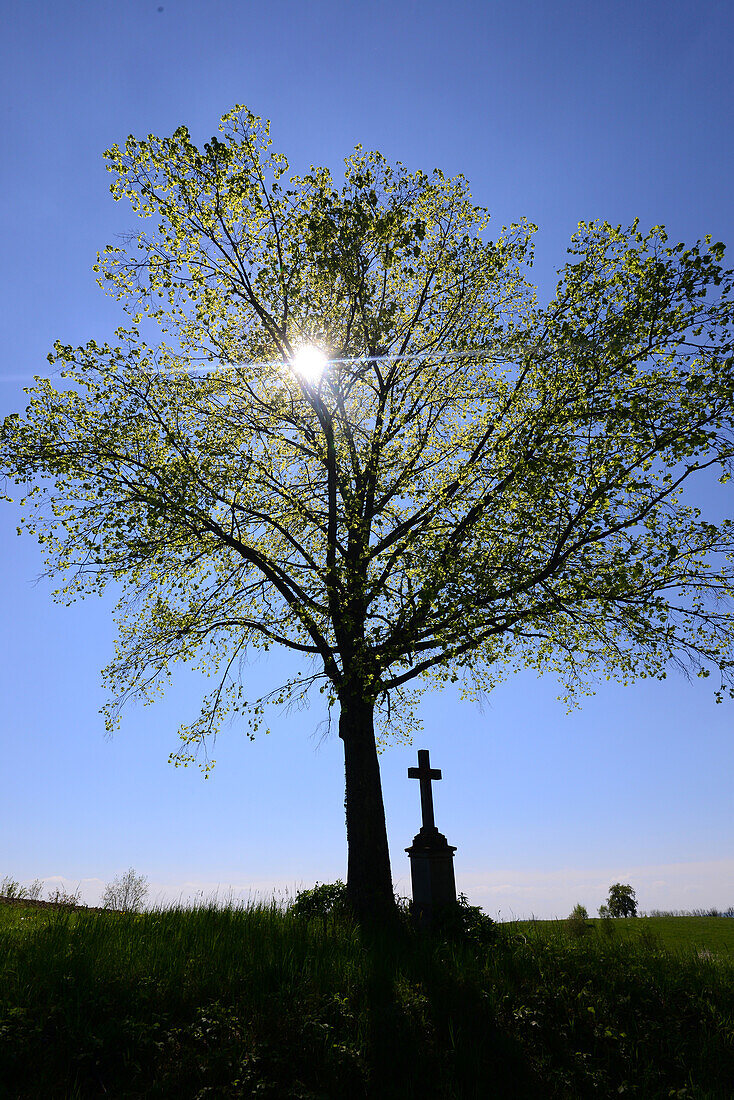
(463, 922)
(256, 1002)
(621, 901)
(578, 923)
(607, 924)
(475, 482)
(322, 900)
(460, 922)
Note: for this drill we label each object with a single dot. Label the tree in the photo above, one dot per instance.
(471, 484)
(621, 901)
(126, 893)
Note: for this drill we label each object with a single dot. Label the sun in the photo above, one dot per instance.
(308, 362)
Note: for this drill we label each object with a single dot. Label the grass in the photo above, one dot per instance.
(255, 1002)
(682, 935)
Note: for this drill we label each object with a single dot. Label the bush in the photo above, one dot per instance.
(577, 923)
(61, 897)
(9, 888)
(460, 921)
(607, 924)
(127, 893)
(463, 921)
(323, 900)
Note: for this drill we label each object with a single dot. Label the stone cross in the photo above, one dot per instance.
(431, 855)
(425, 773)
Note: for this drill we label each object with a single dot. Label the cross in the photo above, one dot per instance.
(425, 773)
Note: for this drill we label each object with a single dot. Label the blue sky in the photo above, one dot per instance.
(555, 112)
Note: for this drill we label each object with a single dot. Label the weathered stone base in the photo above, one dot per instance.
(432, 874)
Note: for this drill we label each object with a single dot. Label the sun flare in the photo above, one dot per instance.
(309, 362)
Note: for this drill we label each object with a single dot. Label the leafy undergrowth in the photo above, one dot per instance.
(254, 1002)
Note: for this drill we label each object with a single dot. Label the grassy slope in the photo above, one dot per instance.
(208, 1002)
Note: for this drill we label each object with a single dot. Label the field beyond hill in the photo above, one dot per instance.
(714, 935)
(256, 1002)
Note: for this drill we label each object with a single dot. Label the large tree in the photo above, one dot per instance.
(471, 483)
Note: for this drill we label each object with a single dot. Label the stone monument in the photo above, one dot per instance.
(431, 856)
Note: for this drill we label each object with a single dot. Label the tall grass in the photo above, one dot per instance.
(255, 1002)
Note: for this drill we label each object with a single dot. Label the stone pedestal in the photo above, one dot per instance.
(431, 874)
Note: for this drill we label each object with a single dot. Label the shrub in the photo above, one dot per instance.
(9, 888)
(463, 921)
(577, 923)
(61, 897)
(127, 893)
(607, 924)
(323, 900)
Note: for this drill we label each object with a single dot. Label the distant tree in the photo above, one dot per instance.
(126, 893)
(621, 901)
(579, 912)
(472, 483)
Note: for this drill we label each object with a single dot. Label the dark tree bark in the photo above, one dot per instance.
(369, 879)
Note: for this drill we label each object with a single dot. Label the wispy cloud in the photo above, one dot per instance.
(506, 893)
(548, 894)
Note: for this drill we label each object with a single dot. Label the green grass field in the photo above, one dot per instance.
(254, 1002)
(675, 934)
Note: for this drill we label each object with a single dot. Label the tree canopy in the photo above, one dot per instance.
(622, 901)
(474, 482)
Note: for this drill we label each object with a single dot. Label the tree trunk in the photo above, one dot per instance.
(369, 881)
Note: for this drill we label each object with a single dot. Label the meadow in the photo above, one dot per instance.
(704, 935)
(254, 1001)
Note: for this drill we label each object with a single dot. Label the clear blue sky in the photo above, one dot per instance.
(558, 112)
